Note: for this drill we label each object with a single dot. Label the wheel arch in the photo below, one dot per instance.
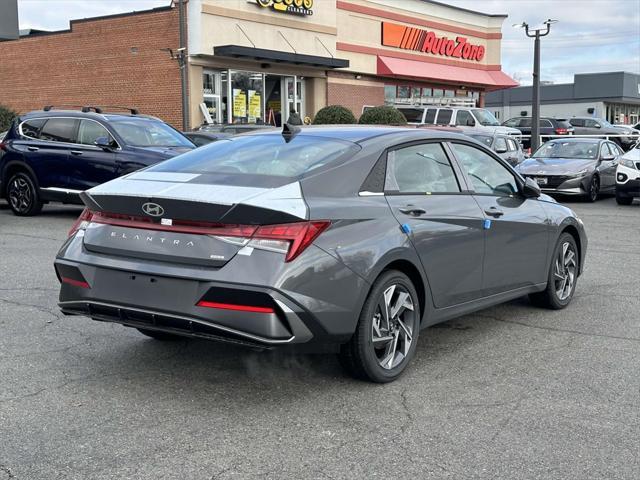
(411, 271)
(13, 167)
(573, 231)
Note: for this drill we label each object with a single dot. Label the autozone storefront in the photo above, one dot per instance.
(252, 61)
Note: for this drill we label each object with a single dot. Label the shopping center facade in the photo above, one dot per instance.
(252, 61)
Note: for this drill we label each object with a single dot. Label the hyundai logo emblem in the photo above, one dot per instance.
(153, 209)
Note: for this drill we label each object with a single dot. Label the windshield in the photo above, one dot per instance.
(261, 155)
(146, 132)
(483, 139)
(604, 123)
(485, 117)
(552, 149)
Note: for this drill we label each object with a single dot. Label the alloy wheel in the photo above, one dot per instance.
(564, 272)
(393, 326)
(20, 194)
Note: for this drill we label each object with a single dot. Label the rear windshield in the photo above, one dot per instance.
(413, 115)
(261, 155)
(143, 132)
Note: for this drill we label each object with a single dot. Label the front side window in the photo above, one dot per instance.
(512, 122)
(487, 175)
(89, 131)
(420, 169)
(60, 130)
(465, 119)
(146, 132)
(31, 128)
(577, 122)
(546, 123)
(269, 155)
(615, 149)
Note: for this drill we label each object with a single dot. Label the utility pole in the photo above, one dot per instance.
(535, 101)
(182, 61)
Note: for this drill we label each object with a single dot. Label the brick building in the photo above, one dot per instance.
(253, 60)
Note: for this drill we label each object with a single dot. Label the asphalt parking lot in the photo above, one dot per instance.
(510, 392)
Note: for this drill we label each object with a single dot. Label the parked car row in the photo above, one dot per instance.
(597, 127)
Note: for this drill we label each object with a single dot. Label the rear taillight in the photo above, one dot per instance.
(235, 307)
(3, 146)
(561, 131)
(82, 221)
(290, 239)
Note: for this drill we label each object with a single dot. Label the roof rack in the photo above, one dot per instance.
(133, 111)
(83, 108)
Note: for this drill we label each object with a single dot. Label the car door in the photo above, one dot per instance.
(429, 198)
(88, 164)
(516, 227)
(578, 125)
(464, 119)
(607, 165)
(55, 140)
(444, 116)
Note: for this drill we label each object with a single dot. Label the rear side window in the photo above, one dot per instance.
(60, 130)
(413, 115)
(513, 122)
(420, 169)
(444, 116)
(525, 122)
(31, 128)
(577, 122)
(431, 115)
(89, 131)
(545, 123)
(267, 155)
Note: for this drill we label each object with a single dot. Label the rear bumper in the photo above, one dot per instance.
(301, 307)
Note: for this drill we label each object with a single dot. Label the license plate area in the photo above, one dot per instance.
(541, 180)
(158, 245)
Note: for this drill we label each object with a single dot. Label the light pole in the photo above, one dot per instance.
(535, 102)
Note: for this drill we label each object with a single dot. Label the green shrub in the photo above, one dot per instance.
(334, 114)
(384, 115)
(6, 117)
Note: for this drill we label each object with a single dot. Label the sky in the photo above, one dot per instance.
(591, 35)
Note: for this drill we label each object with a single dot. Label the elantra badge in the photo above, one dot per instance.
(153, 209)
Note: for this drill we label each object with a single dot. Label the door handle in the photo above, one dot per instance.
(494, 212)
(33, 149)
(413, 211)
(76, 152)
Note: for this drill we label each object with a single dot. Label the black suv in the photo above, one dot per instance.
(53, 155)
(548, 126)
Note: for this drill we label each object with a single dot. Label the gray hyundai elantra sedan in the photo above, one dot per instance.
(354, 237)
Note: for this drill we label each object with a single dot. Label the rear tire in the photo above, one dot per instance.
(620, 200)
(563, 276)
(22, 195)
(387, 332)
(162, 336)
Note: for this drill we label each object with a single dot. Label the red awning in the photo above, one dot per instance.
(490, 79)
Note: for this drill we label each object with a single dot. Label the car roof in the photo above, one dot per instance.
(76, 113)
(578, 139)
(360, 133)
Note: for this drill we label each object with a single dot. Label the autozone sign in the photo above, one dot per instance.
(411, 38)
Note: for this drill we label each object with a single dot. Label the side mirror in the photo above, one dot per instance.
(471, 122)
(597, 125)
(531, 189)
(104, 143)
(607, 158)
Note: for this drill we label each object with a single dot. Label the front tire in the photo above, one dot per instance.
(563, 276)
(22, 195)
(387, 332)
(620, 200)
(594, 189)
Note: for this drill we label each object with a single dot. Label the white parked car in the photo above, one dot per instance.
(628, 176)
(477, 119)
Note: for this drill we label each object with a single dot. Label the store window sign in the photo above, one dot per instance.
(411, 38)
(295, 7)
(239, 103)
